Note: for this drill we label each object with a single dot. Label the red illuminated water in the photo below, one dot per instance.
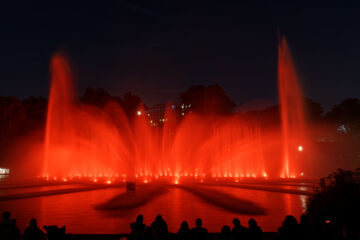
(76, 210)
(83, 140)
(292, 111)
(86, 141)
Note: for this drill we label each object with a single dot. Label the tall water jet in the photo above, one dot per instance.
(79, 140)
(291, 110)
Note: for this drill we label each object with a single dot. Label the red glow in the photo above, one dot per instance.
(85, 141)
(291, 105)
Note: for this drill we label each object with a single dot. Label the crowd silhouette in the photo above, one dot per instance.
(158, 230)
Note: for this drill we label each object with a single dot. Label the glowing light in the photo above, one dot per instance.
(145, 181)
(4, 171)
(176, 181)
(95, 180)
(108, 181)
(64, 179)
(138, 113)
(265, 175)
(300, 148)
(301, 174)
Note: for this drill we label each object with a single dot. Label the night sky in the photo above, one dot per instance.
(157, 49)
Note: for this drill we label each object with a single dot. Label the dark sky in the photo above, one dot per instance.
(157, 49)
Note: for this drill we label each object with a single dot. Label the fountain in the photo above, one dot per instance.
(291, 110)
(231, 164)
(82, 140)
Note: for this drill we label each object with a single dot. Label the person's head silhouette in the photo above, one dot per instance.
(33, 223)
(184, 225)
(159, 218)
(252, 223)
(140, 219)
(236, 222)
(198, 222)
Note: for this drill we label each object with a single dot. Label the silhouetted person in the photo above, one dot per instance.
(199, 233)
(254, 231)
(148, 233)
(305, 228)
(33, 232)
(137, 228)
(238, 231)
(159, 228)
(55, 233)
(5, 221)
(5, 226)
(14, 230)
(225, 233)
(184, 231)
(289, 229)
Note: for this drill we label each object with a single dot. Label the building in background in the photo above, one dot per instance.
(156, 113)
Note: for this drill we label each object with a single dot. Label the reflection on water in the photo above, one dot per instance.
(77, 212)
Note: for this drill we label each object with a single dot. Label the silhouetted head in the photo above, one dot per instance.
(252, 222)
(198, 222)
(236, 222)
(289, 221)
(6, 216)
(33, 222)
(159, 218)
(225, 231)
(140, 219)
(184, 225)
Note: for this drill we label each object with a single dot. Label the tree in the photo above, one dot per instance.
(313, 109)
(130, 103)
(337, 200)
(208, 99)
(97, 97)
(346, 113)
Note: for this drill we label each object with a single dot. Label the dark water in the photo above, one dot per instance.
(77, 210)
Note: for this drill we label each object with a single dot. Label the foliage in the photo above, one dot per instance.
(313, 109)
(346, 113)
(208, 99)
(337, 198)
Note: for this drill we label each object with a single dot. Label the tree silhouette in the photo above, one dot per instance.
(208, 99)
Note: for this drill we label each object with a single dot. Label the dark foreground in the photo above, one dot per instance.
(172, 236)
